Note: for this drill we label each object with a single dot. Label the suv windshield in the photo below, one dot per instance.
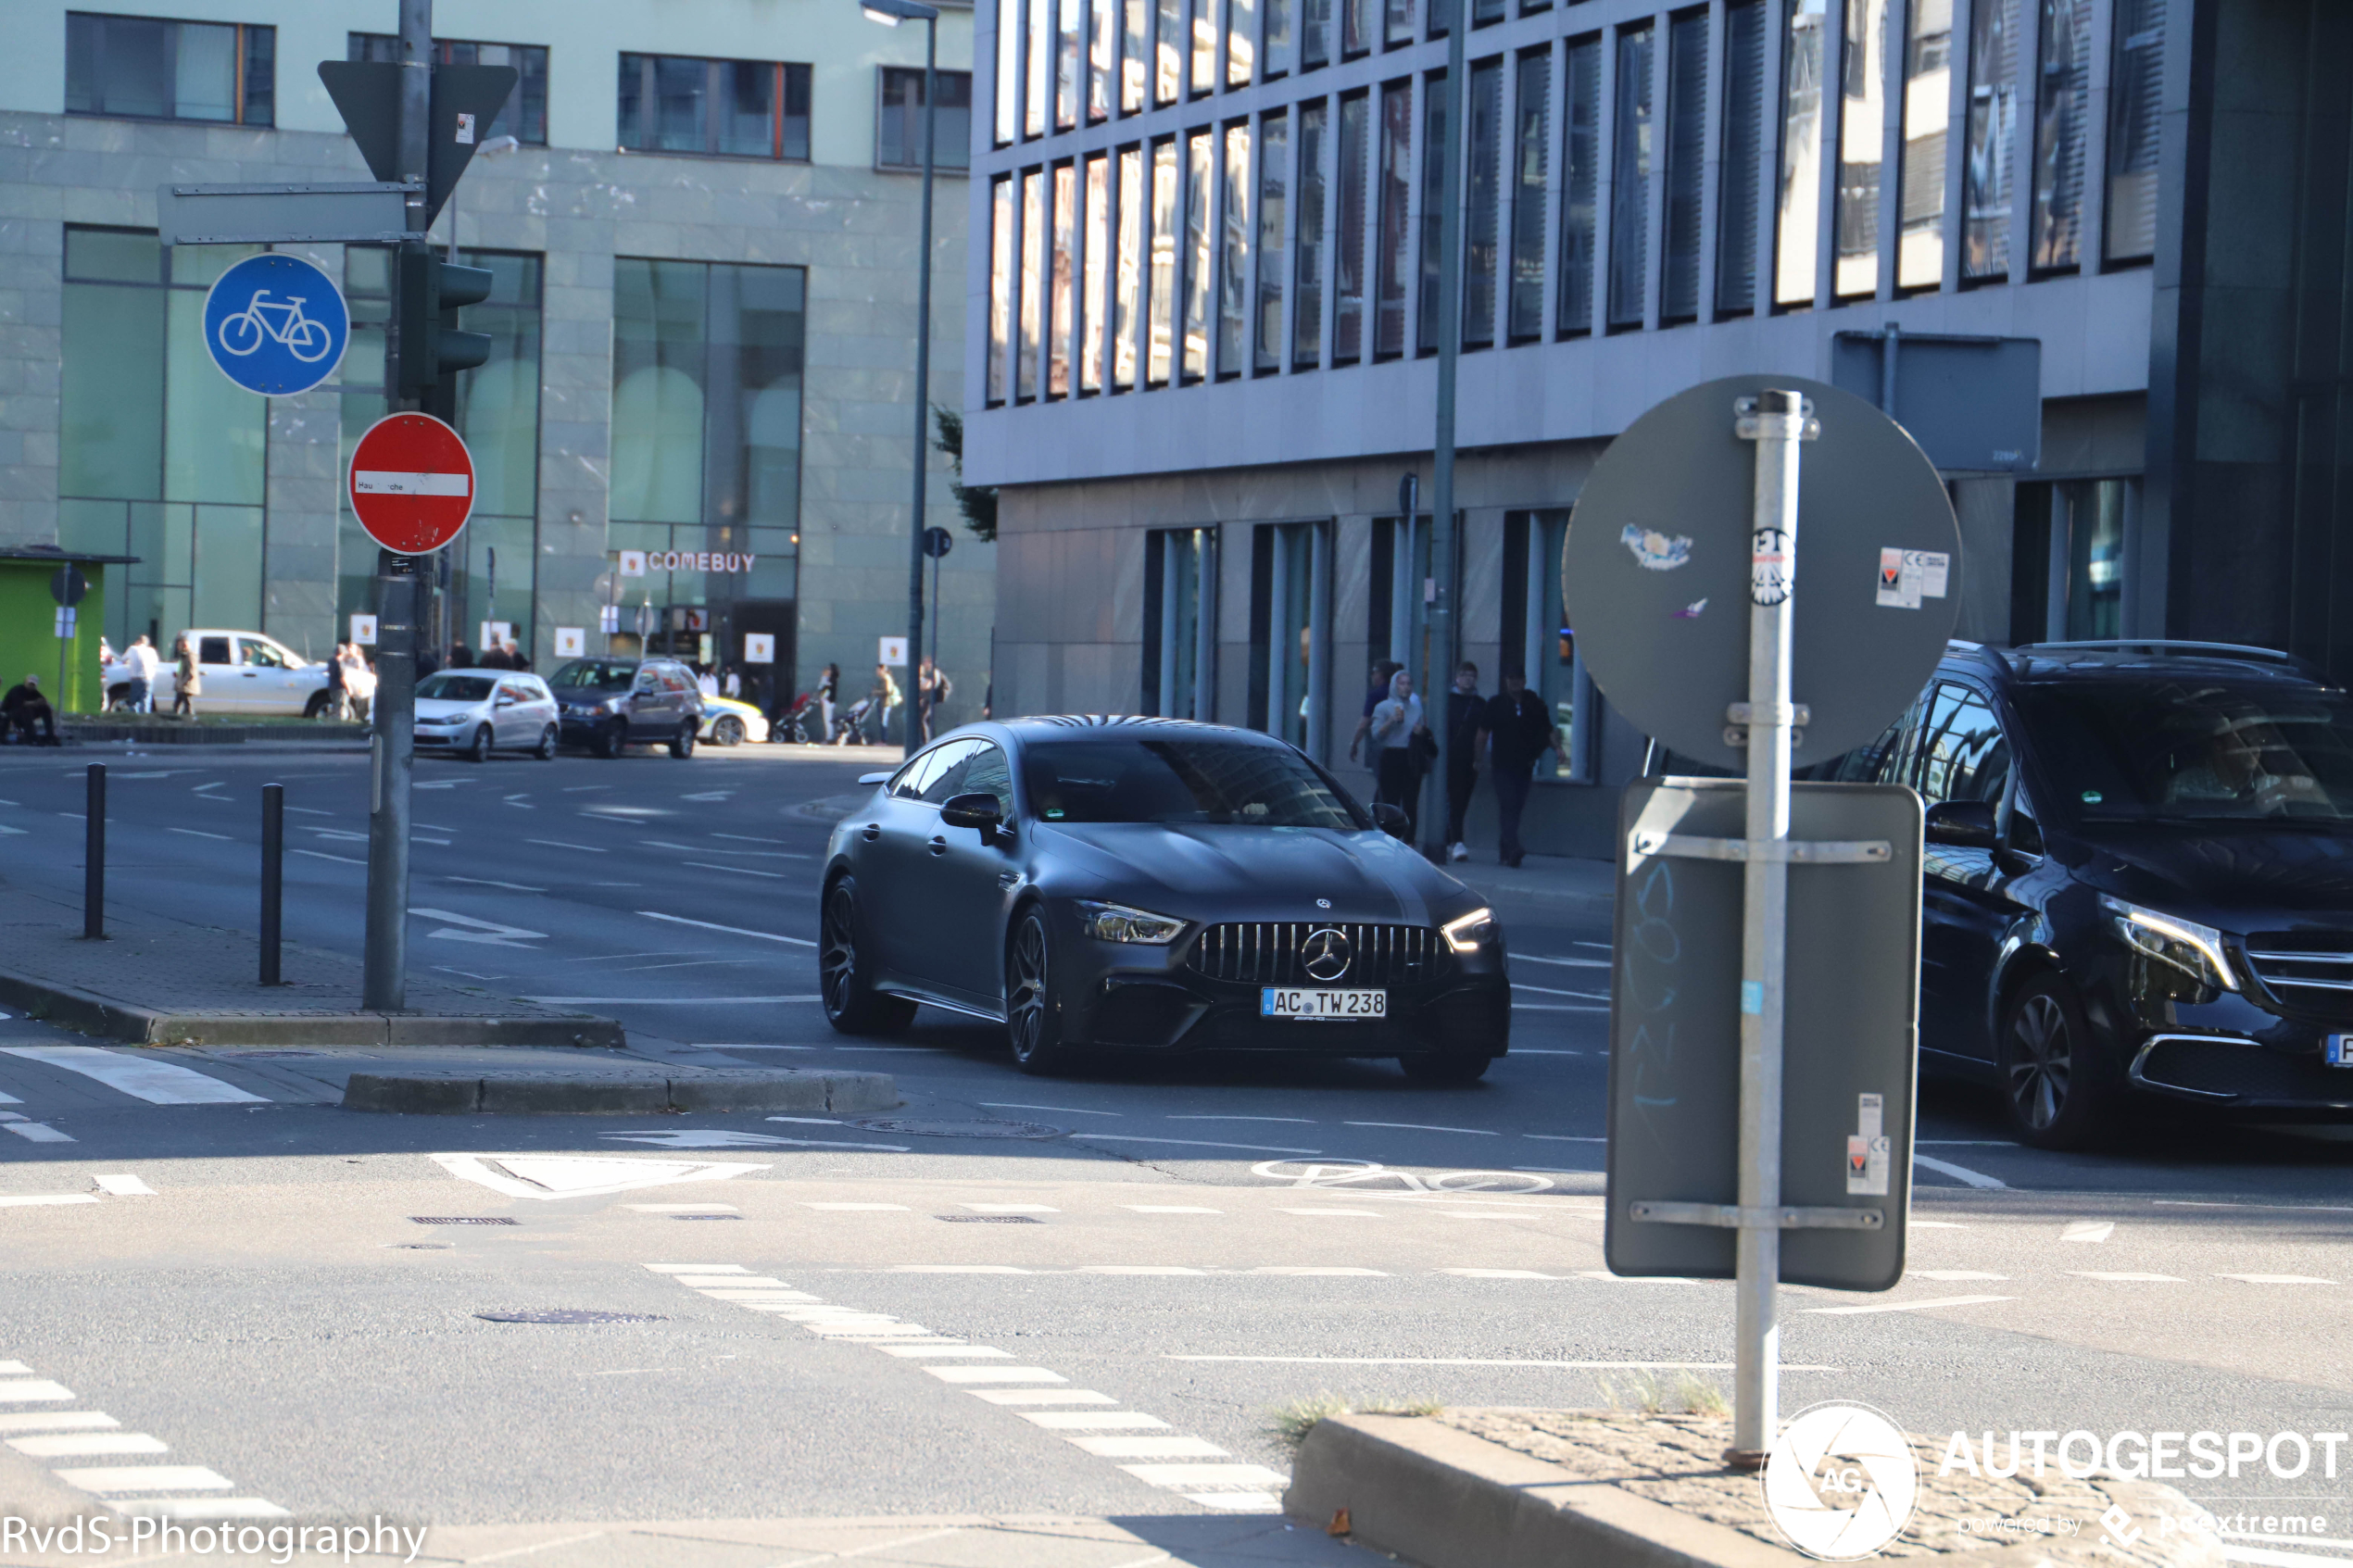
(456, 688)
(2191, 749)
(595, 675)
(1166, 780)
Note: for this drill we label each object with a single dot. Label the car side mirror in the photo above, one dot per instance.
(873, 778)
(1962, 825)
(506, 699)
(978, 810)
(1391, 819)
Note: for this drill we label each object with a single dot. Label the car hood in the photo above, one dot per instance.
(1204, 872)
(2233, 876)
(445, 708)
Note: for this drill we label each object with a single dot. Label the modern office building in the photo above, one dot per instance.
(702, 221)
(1203, 296)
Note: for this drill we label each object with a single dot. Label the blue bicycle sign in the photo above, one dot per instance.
(276, 325)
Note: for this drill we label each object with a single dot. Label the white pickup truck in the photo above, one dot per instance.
(243, 673)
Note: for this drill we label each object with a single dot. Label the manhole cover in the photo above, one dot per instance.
(987, 1219)
(978, 1128)
(567, 1314)
(458, 1220)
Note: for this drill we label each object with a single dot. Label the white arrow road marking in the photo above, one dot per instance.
(730, 930)
(1961, 1174)
(2088, 1230)
(548, 1176)
(158, 1083)
(121, 1184)
(488, 932)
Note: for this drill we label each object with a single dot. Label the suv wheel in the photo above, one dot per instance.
(2059, 1089)
(852, 1005)
(607, 741)
(681, 745)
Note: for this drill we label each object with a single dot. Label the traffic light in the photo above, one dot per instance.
(431, 348)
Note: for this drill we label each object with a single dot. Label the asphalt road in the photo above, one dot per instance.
(1191, 1244)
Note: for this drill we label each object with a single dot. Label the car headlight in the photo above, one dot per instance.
(1117, 922)
(1467, 934)
(2195, 949)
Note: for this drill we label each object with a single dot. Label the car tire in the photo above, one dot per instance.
(1033, 1005)
(545, 749)
(1448, 1068)
(2059, 1089)
(316, 707)
(606, 743)
(478, 749)
(844, 978)
(681, 745)
(727, 729)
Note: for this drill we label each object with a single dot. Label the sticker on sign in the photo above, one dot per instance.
(412, 483)
(1905, 577)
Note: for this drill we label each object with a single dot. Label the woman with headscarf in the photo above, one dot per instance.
(1396, 719)
(188, 683)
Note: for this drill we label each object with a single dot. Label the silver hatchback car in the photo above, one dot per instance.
(473, 712)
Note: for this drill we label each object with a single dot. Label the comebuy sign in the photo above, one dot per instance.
(637, 563)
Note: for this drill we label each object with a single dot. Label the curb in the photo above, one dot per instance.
(88, 1013)
(1448, 1499)
(616, 1094)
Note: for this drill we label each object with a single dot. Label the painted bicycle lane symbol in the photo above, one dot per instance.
(1372, 1179)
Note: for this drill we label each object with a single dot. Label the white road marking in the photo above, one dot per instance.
(80, 1445)
(40, 1200)
(39, 1132)
(960, 1350)
(1041, 1395)
(199, 832)
(2127, 1278)
(995, 1374)
(2265, 1558)
(1085, 1421)
(810, 1121)
(5, 828)
(1907, 1306)
(122, 1185)
(709, 794)
(696, 1268)
(1571, 964)
(1563, 1137)
(1951, 1276)
(1549, 991)
(549, 1176)
(322, 855)
(2291, 1208)
(714, 1138)
(488, 882)
(490, 933)
(158, 1083)
(584, 789)
(854, 1208)
(32, 1390)
(956, 1269)
(1424, 1127)
(2277, 1279)
(1057, 1110)
(1138, 1269)
(102, 1479)
(1960, 1172)
(560, 844)
(1303, 1271)
(10, 1100)
(1302, 1121)
(52, 1420)
(1336, 1214)
(1633, 1279)
(669, 1001)
(309, 812)
(730, 930)
(2087, 1230)
(1009, 1207)
(739, 870)
(1194, 1143)
(1170, 1209)
(1551, 1006)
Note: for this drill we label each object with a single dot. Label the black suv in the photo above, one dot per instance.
(605, 704)
(2139, 879)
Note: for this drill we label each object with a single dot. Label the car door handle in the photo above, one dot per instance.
(1008, 880)
(874, 831)
(938, 845)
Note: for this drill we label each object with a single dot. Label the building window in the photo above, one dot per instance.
(1241, 41)
(1536, 636)
(1273, 155)
(1580, 182)
(1397, 22)
(1291, 632)
(717, 108)
(1135, 57)
(1201, 175)
(1098, 268)
(1180, 624)
(1038, 91)
(1233, 267)
(143, 68)
(1102, 58)
(1168, 69)
(1355, 26)
(1927, 87)
(1060, 303)
(1434, 115)
(159, 455)
(1032, 308)
(1007, 105)
(1204, 50)
(1348, 282)
(1482, 208)
(1394, 256)
(1127, 287)
(1160, 351)
(1630, 202)
(1736, 201)
(1798, 231)
(1000, 288)
(1530, 140)
(1276, 53)
(1993, 134)
(1315, 33)
(706, 423)
(524, 117)
(1069, 63)
(1307, 310)
(1483, 12)
(1686, 159)
(898, 136)
(2062, 106)
(2137, 82)
(1862, 146)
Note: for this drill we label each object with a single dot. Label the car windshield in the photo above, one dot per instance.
(456, 688)
(594, 675)
(2192, 749)
(1182, 780)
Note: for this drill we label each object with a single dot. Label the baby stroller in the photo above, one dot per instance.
(849, 724)
(801, 724)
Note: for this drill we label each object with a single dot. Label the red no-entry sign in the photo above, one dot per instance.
(412, 483)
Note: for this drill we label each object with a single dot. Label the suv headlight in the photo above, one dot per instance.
(2195, 949)
(1117, 922)
(1467, 934)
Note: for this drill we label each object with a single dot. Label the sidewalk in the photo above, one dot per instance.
(1591, 884)
(162, 981)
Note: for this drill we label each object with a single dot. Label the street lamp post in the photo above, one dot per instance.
(890, 13)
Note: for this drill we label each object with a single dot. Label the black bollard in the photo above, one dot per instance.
(273, 866)
(93, 856)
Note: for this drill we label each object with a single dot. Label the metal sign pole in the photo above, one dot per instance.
(1777, 426)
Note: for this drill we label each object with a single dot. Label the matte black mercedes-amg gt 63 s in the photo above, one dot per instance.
(1153, 884)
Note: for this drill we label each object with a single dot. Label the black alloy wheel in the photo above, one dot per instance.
(316, 708)
(727, 729)
(682, 745)
(478, 749)
(2056, 1090)
(607, 741)
(1033, 1009)
(852, 1005)
(545, 749)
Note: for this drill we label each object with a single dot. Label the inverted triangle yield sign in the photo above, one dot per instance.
(367, 93)
(573, 1175)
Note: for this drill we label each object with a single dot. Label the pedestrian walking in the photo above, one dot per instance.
(731, 685)
(1519, 729)
(828, 689)
(1465, 719)
(23, 709)
(463, 657)
(707, 683)
(517, 659)
(1395, 722)
(338, 705)
(886, 698)
(188, 679)
(1382, 669)
(144, 664)
(932, 688)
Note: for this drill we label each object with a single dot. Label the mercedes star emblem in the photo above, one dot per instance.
(1326, 953)
(1322, 903)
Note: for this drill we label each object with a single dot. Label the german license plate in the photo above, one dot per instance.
(2340, 1051)
(1321, 1005)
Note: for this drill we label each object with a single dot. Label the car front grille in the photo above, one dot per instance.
(1276, 953)
(2311, 971)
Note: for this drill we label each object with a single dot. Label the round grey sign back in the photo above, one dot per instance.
(1657, 574)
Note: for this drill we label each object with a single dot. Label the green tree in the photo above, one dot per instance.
(978, 501)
